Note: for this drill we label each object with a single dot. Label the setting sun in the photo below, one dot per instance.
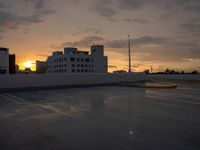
(28, 64)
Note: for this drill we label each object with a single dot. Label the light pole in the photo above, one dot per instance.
(129, 53)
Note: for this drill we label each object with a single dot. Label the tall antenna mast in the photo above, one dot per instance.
(129, 53)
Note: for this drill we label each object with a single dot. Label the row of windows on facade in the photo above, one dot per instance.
(72, 59)
(73, 70)
(73, 65)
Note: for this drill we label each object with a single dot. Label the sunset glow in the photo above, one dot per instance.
(28, 64)
(161, 38)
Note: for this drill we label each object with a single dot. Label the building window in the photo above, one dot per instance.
(87, 60)
(86, 65)
(82, 60)
(82, 65)
(78, 65)
(82, 70)
(78, 70)
(65, 59)
(73, 65)
(73, 70)
(86, 70)
(78, 59)
(72, 59)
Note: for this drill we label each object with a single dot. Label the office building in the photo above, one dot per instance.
(4, 61)
(74, 61)
(7, 62)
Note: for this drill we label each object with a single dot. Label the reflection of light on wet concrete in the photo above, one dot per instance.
(100, 118)
(131, 133)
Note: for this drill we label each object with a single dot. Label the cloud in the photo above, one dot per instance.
(191, 59)
(42, 55)
(190, 5)
(150, 40)
(116, 44)
(104, 8)
(10, 18)
(157, 49)
(74, 1)
(112, 66)
(93, 31)
(84, 42)
(191, 29)
(2, 5)
(38, 4)
(146, 48)
(131, 4)
(136, 42)
(136, 20)
(110, 8)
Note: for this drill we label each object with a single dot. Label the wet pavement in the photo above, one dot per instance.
(101, 118)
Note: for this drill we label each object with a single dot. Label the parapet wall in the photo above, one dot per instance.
(185, 77)
(22, 81)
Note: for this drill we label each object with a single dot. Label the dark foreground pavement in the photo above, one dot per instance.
(101, 118)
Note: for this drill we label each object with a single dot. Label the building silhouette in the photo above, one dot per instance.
(12, 66)
(41, 66)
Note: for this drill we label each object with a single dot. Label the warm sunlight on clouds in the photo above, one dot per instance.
(165, 34)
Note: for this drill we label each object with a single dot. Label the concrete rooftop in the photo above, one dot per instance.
(101, 118)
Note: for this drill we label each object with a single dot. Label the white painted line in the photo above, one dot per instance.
(10, 99)
(16, 98)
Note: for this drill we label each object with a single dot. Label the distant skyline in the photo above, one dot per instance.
(165, 33)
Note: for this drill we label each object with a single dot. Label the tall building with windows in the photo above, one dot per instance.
(7, 62)
(4, 60)
(74, 61)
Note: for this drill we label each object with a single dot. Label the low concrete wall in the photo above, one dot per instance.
(20, 81)
(188, 77)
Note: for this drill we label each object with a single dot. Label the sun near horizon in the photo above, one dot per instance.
(27, 64)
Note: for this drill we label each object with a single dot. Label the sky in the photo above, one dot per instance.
(164, 33)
